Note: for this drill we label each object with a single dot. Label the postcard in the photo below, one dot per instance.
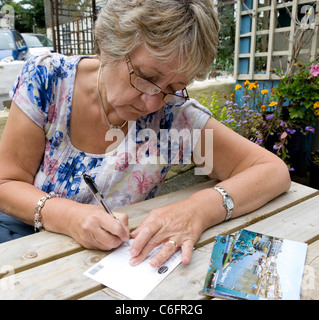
(134, 282)
(253, 266)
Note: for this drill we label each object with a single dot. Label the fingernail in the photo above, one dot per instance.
(134, 253)
(154, 263)
(133, 261)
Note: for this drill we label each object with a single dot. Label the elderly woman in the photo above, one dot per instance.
(84, 114)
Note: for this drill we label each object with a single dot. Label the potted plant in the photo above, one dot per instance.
(297, 97)
(297, 94)
(258, 118)
(270, 128)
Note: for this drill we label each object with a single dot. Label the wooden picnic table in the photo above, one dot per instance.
(50, 266)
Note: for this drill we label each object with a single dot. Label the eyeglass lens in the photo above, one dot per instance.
(148, 87)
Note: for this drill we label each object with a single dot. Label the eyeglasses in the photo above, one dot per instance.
(148, 87)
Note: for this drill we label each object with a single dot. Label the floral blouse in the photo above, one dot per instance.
(133, 171)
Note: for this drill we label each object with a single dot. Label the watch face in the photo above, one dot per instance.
(229, 203)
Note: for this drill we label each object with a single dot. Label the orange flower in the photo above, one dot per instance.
(224, 96)
(317, 112)
(263, 108)
(316, 105)
(265, 91)
(272, 104)
(238, 86)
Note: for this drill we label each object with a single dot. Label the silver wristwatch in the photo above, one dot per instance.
(228, 202)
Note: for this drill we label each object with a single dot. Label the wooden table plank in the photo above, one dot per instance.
(61, 279)
(33, 250)
(64, 277)
(300, 222)
(40, 248)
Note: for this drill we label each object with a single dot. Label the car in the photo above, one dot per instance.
(12, 45)
(38, 43)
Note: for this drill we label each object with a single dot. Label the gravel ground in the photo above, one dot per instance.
(182, 181)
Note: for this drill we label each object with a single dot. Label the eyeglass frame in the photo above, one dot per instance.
(128, 60)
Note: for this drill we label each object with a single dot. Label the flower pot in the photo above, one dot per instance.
(313, 171)
(299, 147)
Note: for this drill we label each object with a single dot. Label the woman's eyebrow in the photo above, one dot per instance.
(151, 70)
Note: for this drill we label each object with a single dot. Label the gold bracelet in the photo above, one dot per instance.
(38, 225)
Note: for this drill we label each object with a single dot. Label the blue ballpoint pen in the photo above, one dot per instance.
(97, 194)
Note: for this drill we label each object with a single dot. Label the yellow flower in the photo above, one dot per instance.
(238, 86)
(252, 86)
(265, 91)
(246, 84)
(231, 97)
(263, 108)
(317, 112)
(272, 104)
(316, 105)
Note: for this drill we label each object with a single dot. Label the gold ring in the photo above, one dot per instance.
(172, 242)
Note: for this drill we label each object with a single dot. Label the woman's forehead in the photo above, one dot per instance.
(145, 61)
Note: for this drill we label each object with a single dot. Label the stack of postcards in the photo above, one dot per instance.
(249, 265)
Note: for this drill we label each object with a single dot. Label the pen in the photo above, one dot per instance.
(97, 194)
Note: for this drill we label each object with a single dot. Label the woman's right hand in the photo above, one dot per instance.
(93, 228)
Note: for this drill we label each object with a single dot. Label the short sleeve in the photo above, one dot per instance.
(33, 89)
(191, 115)
(195, 114)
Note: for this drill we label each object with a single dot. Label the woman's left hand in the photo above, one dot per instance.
(178, 222)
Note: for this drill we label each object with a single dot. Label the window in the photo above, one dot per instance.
(6, 41)
(266, 33)
(19, 40)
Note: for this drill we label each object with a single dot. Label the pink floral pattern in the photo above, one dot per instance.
(139, 182)
(52, 114)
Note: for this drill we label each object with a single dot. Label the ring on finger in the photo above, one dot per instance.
(172, 242)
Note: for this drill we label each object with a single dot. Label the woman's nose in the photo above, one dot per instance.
(153, 102)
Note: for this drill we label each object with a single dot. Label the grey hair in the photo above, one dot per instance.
(188, 28)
